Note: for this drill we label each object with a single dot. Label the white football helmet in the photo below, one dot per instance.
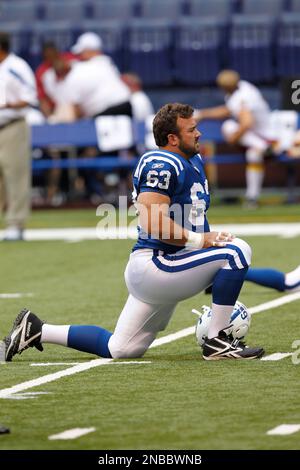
(240, 322)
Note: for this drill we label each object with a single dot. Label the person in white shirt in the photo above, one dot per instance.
(141, 105)
(95, 86)
(17, 93)
(250, 126)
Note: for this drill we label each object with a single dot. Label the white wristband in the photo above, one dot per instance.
(195, 240)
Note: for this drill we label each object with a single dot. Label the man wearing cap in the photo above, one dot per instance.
(94, 85)
(251, 126)
(17, 94)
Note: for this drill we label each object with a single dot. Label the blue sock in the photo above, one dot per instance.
(227, 285)
(267, 277)
(91, 339)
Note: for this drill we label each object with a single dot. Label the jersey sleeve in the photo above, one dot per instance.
(159, 177)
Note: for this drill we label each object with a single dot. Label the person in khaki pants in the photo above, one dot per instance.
(17, 93)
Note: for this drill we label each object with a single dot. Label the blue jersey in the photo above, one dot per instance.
(184, 181)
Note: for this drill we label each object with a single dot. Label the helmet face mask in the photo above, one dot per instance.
(240, 322)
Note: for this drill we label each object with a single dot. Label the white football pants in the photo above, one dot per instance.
(157, 282)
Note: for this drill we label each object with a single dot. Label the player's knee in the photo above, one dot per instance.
(228, 127)
(125, 350)
(254, 155)
(243, 251)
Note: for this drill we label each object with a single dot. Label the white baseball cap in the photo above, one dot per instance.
(87, 41)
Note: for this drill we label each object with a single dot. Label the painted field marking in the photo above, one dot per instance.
(287, 229)
(15, 295)
(284, 430)
(26, 395)
(276, 356)
(71, 434)
(47, 364)
(7, 392)
(101, 362)
(275, 303)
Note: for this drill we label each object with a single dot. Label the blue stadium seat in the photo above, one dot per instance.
(20, 37)
(196, 56)
(288, 45)
(19, 10)
(164, 9)
(295, 6)
(112, 35)
(148, 51)
(112, 9)
(62, 33)
(263, 7)
(71, 10)
(220, 9)
(250, 47)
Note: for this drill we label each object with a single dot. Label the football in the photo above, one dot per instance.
(240, 322)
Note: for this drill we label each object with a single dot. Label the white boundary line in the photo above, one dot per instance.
(102, 362)
(15, 295)
(284, 430)
(276, 356)
(288, 230)
(71, 434)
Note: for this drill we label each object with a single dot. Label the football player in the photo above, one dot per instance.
(273, 278)
(269, 277)
(176, 256)
(248, 122)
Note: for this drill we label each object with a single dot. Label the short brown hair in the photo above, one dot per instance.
(165, 121)
(4, 42)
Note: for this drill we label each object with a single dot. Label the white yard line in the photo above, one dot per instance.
(15, 295)
(284, 430)
(288, 230)
(276, 356)
(71, 434)
(47, 364)
(7, 392)
(102, 362)
(275, 303)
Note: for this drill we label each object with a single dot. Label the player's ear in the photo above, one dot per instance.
(173, 139)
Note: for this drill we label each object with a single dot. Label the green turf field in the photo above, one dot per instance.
(177, 401)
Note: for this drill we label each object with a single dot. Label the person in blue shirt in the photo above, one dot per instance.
(176, 256)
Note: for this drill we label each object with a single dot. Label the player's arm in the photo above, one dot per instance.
(77, 111)
(245, 121)
(154, 219)
(218, 112)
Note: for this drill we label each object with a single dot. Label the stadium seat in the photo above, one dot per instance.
(147, 47)
(196, 55)
(112, 9)
(19, 10)
(111, 33)
(263, 7)
(220, 9)
(250, 47)
(295, 6)
(165, 9)
(20, 37)
(62, 33)
(72, 10)
(288, 45)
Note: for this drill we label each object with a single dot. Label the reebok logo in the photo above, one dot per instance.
(28, 328)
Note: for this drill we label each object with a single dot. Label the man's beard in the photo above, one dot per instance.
(188, 151)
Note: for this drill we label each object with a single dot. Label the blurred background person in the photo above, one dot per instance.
(250, 126)
(95, 84)
(51, 54)
(18, 92)
(142, 107)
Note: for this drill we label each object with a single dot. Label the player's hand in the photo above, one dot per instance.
(217, 239)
